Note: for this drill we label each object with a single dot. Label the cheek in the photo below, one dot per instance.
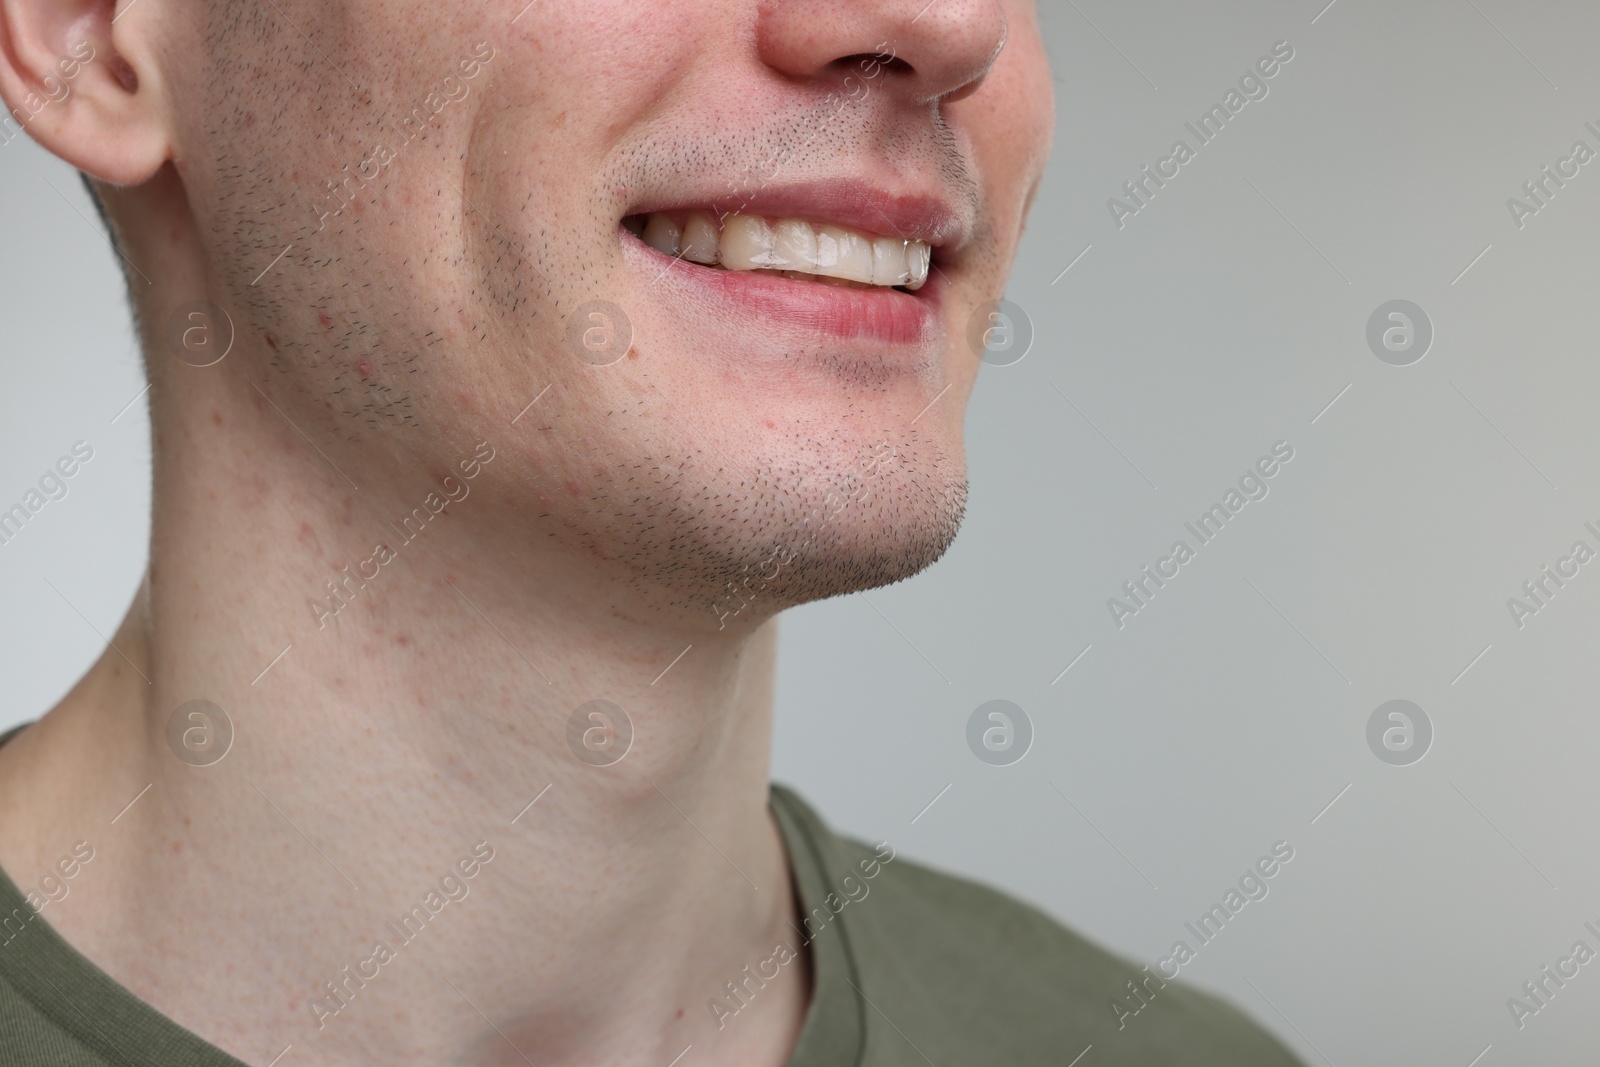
(1011, 119)
(1008, 124)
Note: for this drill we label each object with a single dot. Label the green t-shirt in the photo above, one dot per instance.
(911, 968)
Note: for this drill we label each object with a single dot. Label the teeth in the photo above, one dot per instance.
(850, 254)
(918, 257)
(662, 234)
(791, 247)
(700, 238)
(795, 244)
(747, 243)
(889, 262)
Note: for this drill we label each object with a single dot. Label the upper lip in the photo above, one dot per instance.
(851, 203)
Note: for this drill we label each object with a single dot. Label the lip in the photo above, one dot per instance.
(856, 205)
(885, 316)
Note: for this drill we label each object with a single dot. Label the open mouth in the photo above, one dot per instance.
(793, 248)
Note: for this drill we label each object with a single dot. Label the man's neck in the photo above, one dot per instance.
(391, 731)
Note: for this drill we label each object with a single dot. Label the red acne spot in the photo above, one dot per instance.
(402, 640)
(177, 847)
(770, 424)
(680, 1013)
(633, 352)
(306, 532)
(573, 487)
(364, 367)
(216, 418)
(322, 317)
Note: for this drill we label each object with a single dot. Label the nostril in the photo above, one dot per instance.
(874, 64)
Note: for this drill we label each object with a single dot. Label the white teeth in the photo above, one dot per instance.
(889, 262)
(662, 234)
(918, 256)
(795, 244)
(700, 238)
(747, 243)
(851, 252)
(793, 247)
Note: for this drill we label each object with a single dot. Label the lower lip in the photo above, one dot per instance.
(886, 316)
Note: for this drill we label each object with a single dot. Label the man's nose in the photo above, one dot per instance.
(939, 50)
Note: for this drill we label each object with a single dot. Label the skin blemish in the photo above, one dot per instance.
(216, 418)
(364, 367)
(322, 317)
(573, 487)
(271, 343)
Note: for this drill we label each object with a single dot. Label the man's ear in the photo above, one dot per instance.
(83, 81)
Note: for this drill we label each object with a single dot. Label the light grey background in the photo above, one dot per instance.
(1224, 316)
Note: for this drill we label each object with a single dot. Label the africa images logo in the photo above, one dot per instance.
(452, 886)
(337, 595)
(1208, 127)
(1142, 588)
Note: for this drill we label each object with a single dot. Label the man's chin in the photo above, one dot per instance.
(886, 541)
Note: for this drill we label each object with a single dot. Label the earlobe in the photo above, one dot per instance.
(81, 79)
